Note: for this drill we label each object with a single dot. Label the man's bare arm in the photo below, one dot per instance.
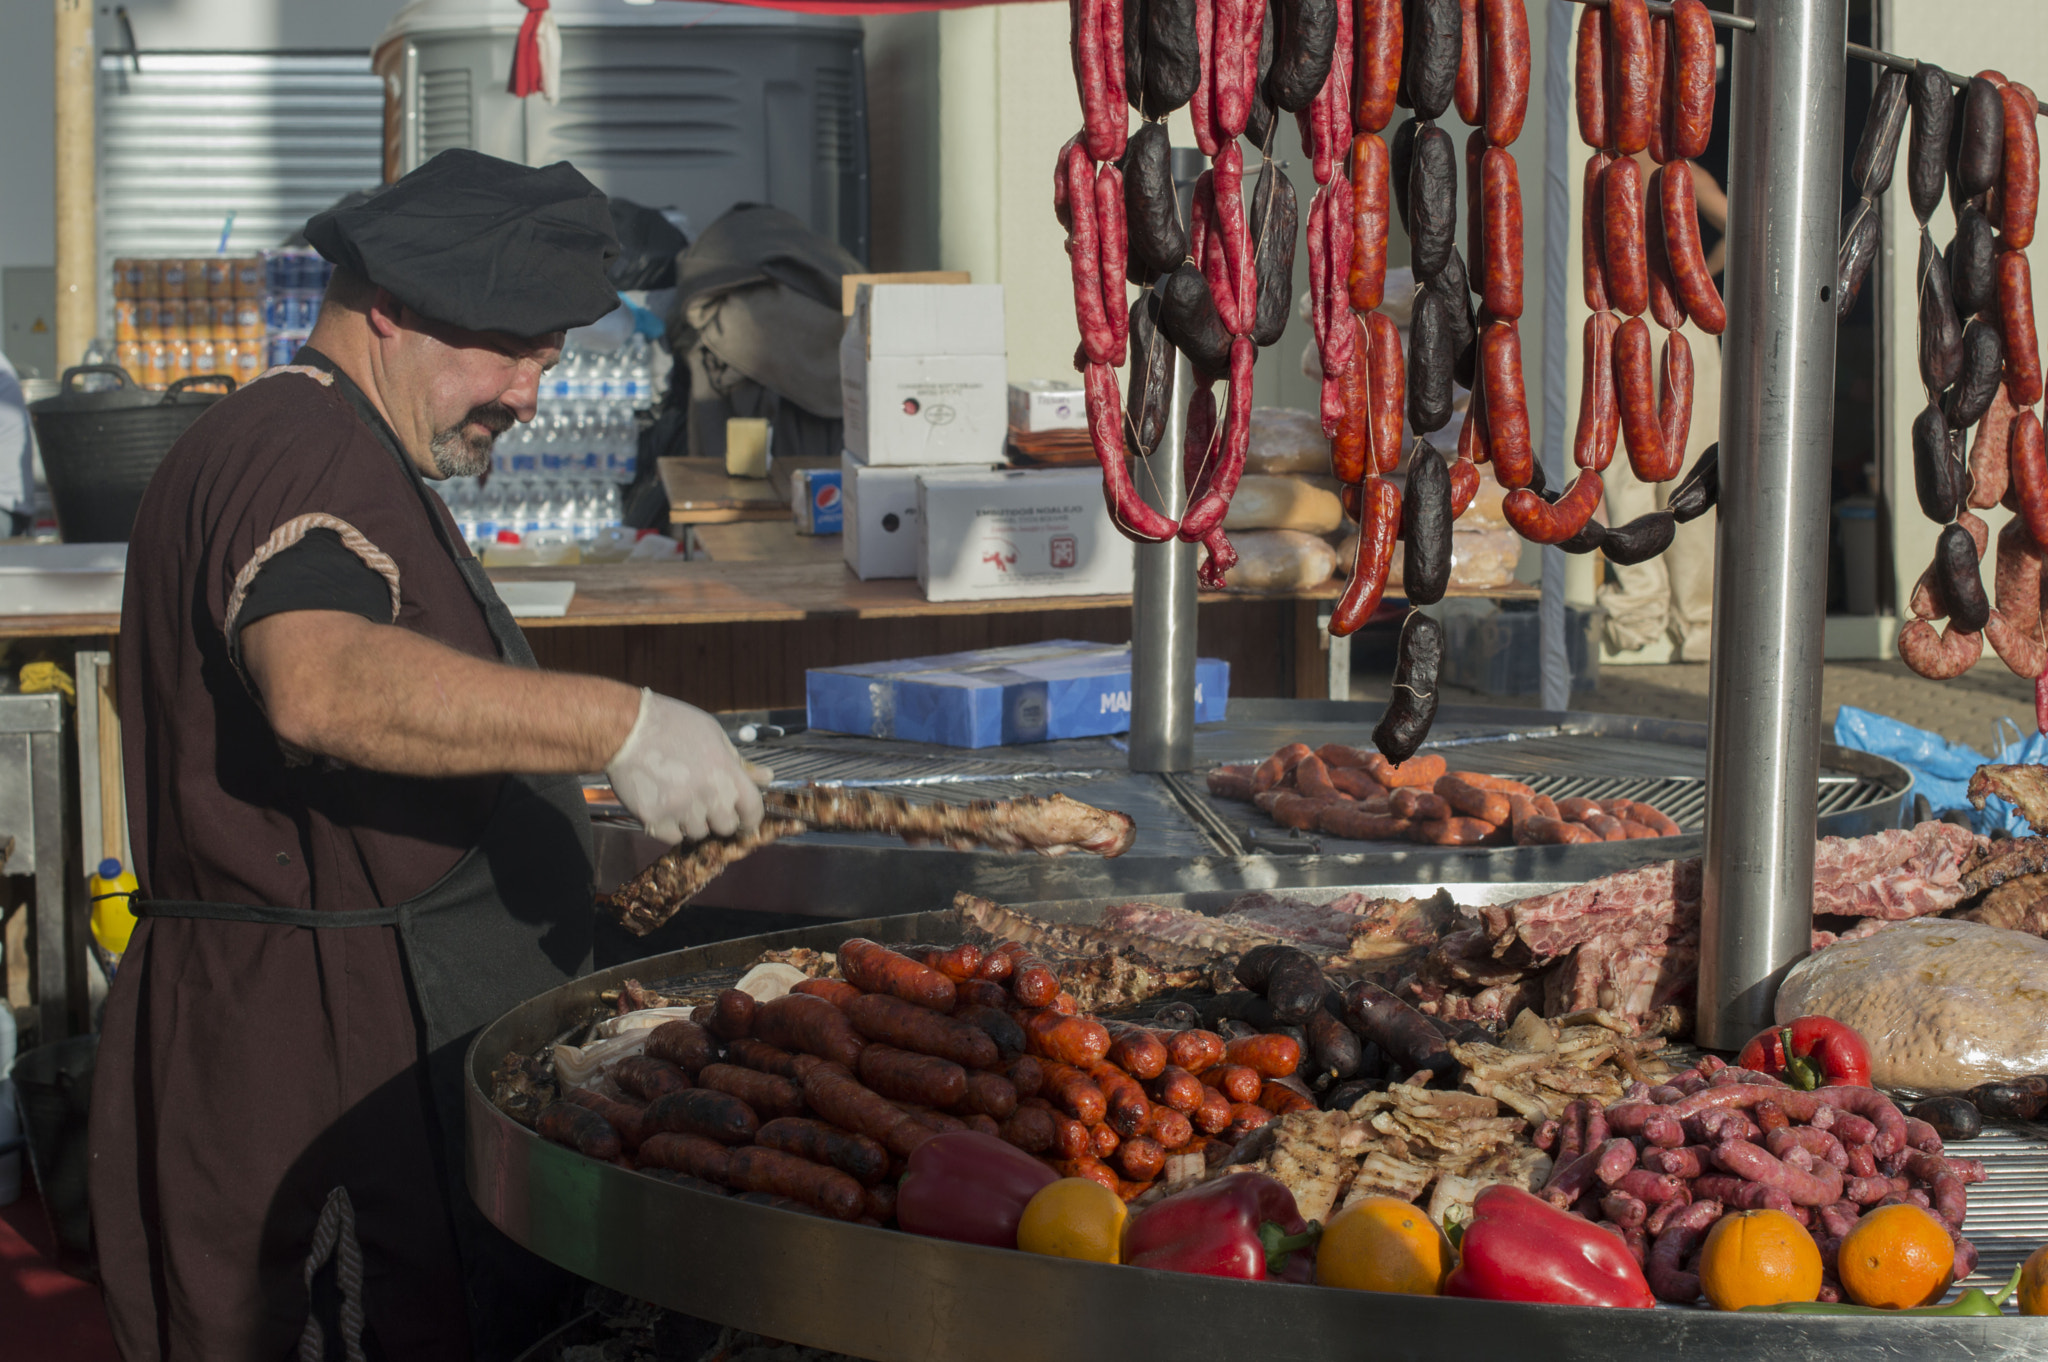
(387, 699)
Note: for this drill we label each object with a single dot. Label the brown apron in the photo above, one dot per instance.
(484, 938)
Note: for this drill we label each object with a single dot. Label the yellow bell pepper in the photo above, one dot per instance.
(1074, 1218)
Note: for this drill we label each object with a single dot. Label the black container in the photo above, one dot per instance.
(100, 449)
(53, 1084)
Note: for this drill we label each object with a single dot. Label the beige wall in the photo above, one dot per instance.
(2012, 36)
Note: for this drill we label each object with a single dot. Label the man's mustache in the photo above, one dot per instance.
(495, 417)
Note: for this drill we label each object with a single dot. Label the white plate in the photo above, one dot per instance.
(537, 600)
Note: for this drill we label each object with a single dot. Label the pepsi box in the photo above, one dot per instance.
(816, 498)
(995, 697)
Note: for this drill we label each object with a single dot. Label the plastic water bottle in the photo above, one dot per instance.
(640, 372)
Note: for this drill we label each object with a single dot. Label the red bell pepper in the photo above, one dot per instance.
(1813, 1052)
(1245, 1225)
(1519, 1247)
(969, 1186)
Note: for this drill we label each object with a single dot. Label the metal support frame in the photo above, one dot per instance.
(1777, 416)
(32, 807)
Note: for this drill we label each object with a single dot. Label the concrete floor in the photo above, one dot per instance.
(1963, 710)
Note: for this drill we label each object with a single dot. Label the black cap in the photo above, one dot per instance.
(481, 243)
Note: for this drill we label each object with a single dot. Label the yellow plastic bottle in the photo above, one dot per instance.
(112, 919)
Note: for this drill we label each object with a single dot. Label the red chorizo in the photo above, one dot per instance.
(1357, 784)
(701, 1111)
(1593, 227)
(907, 1026)
(1418, 804)
(1506, 25)
(1599, 410)
(836, 1096)
(874, 968)
(1138, 1052)
(834, 991)
(1176, 1088)
(1989, 469)
(1075, 1093)
(1271, 1056)
(1195, 1050)
(627, 1118)
(1084, 258)
(690, 1154)
(1378, 529)
(1418, 772)
(1466, 796)
(732, 1014)
(1456, 832)
(1387, 380)
(1664, 306)
(1674, 398)
(1689, 85)
(1379, 36)
(1245, 1117)
(1542, 522)
(1630, 107)
(1069, 1040)
(1589, 78)
(2016, 313)
(1636, 388)
(1128, 1108)
(1033, 982)
(1624, 237)
(799, 1021)
(759, 1169)
(1660, 75)
(1475, 208)
(684, 1044)
(1371, 190)
(1678, 212)
(1212, 1117)
(647, 1078)
(1470, 90)
(997, 964)
(2027, 457)
(767, 1094)
(1501, 194)
(2019, 190)
(1475, 445)
(1507, 405)
(1280, 1099)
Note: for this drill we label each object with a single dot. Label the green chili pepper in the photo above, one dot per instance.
(1971, 1303)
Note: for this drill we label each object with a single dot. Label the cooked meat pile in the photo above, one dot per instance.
(1050, 825)
(2024, 787)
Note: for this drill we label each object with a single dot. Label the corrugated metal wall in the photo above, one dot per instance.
(191, 136)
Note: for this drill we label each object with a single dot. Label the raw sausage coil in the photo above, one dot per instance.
(1379, 37)
(1379, 523)
(1624, 237)
(1678, 203)
(1507, 405)
(1501, 270)
(1593, 229)
(2022, 345)
(1589, 77)
(1599, 410)
(1636, 387)
(2019, 191)
(1506, 24)
(1371, 185)
(1689, 83)
(1629, 104)
(1471, 87)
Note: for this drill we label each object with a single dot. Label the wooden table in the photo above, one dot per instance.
(699, 493)
(766, 541)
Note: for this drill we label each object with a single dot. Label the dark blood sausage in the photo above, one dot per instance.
(1431, 358)
(647, 1078)
(1401, 165)
(1640, 539)
(767, 1094)
(1981, 152)
(1454, 285)
(1158, 237)
(834, 991)
(1188, 318)
(910, 1027)
(691, 1154)
(995, 1023)
(1501, 272)
(1870, 169)
(1507, 405)
(1983, 371)
(759, 1169)
(1379, 35)
(732, 1015)
(836, 1096)
(1689, 85)
(1404, 1035)
(1927, 91)
(1288, 976)
(2022, 344)
(1031, 1129)
(1172, 55)
(874, 968)
(1678, 209)
(797, 1021)
(982, 993)
(1304, 39)
(1630, 102)
(628, 1118)
(1275, 223)
(989, 1095)
(1960, 579)
(857, 1156)
(1858, 251)
(1589, 78)
(1625, 237)
(700, 1111)
(1701, 489)
(1430, 62)
(1941, 331)
(770, 1059)
(1973, 263)
(1506, 24)
(1432, 212)
(1935, 474)
(909, 1077)
(1593, 226)
(1426, 530)
(2019, 191)
(1026, 1075)
(1412, 708)
(1334, 1049)
(688, 1045)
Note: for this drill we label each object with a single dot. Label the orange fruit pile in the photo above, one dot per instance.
(2033, 1293)
(1897, 1258)
(1759, 1258)
(1382, 1243)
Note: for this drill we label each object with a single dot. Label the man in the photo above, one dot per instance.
(353, 803)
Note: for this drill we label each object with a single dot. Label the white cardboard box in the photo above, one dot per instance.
(923, 374)
(1041, 404)
(1020, 532)
(879, 526)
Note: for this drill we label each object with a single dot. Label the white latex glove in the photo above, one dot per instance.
(680, 776)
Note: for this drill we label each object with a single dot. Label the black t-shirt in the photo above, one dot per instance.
(317, 573)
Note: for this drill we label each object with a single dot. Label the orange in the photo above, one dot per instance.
(1759, 1258)
(2033, 1293)
(1897, 1258)
(1383, 1243)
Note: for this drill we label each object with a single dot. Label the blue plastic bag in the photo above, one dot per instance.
(1942, 769)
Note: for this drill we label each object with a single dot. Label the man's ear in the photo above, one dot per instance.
(385, 314)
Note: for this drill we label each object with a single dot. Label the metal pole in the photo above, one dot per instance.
(1163, 601)
(1777, 414)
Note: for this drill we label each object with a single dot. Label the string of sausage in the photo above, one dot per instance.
(1980, 363)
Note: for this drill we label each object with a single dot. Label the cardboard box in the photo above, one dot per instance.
(879, 517)
(1020, 532)
(995, 696)
(849, 284)
(923, 374)
(1042, 404)
(818, 501)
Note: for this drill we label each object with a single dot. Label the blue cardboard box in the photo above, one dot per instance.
(818, 501)
(994, 697)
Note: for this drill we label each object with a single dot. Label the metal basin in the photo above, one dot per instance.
(895, 1297)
